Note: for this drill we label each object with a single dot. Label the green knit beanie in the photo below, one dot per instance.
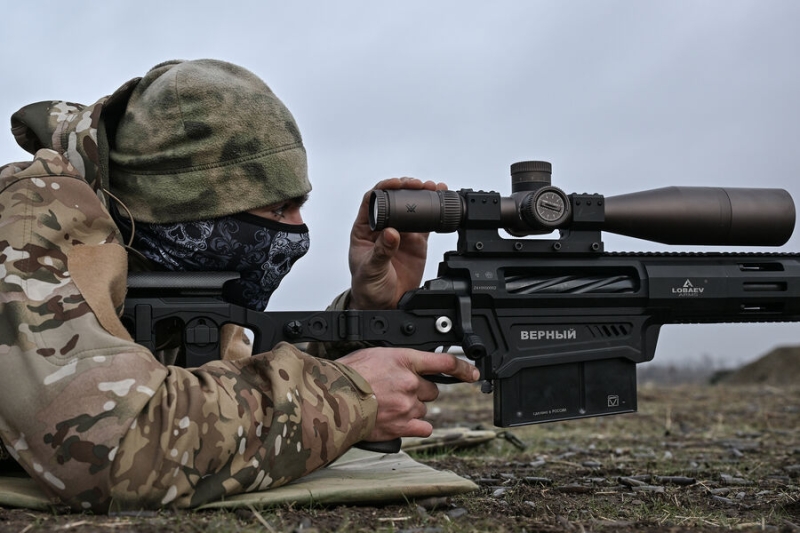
(203, 139)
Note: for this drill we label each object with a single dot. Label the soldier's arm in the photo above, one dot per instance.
(231, 427)
(92, 415)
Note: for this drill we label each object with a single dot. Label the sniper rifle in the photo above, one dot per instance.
(556, 326)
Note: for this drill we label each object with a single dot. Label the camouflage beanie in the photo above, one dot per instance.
(203, 139)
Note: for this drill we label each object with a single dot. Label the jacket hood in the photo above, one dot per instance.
(79, 132)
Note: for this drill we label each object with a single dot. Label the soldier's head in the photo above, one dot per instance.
(205, 158)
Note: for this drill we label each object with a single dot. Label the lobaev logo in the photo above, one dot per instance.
(687, 290)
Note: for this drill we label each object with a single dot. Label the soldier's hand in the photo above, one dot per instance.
(385, 264)
(395, 375)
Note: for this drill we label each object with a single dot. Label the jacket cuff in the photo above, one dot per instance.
(366, 397)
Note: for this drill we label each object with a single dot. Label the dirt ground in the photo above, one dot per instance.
(694, 458)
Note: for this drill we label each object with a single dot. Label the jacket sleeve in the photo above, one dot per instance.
(95, 418)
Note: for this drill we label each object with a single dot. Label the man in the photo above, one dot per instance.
(200, 167)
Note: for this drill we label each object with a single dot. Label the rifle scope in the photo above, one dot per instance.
(669, 215)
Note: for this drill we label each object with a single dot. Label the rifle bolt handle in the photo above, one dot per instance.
(473, 347)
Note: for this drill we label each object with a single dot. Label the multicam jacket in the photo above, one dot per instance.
(91, 415)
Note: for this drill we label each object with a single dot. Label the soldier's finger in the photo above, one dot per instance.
(444, 363)
(427, 391)
(418, 428)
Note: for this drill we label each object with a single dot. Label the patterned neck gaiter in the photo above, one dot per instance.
(261, 250)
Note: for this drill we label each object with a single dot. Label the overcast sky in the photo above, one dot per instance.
(619, 96)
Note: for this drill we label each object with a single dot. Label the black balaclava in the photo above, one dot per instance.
(261, 250)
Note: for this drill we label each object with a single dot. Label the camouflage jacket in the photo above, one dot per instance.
(91, 415)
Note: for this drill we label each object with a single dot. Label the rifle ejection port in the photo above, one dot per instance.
(444, 324)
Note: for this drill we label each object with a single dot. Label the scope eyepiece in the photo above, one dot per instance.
(414, 210)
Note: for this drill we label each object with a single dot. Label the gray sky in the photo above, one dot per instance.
(619, 96)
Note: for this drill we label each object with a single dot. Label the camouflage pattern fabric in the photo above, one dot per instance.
(92, 416)
(202, 139)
